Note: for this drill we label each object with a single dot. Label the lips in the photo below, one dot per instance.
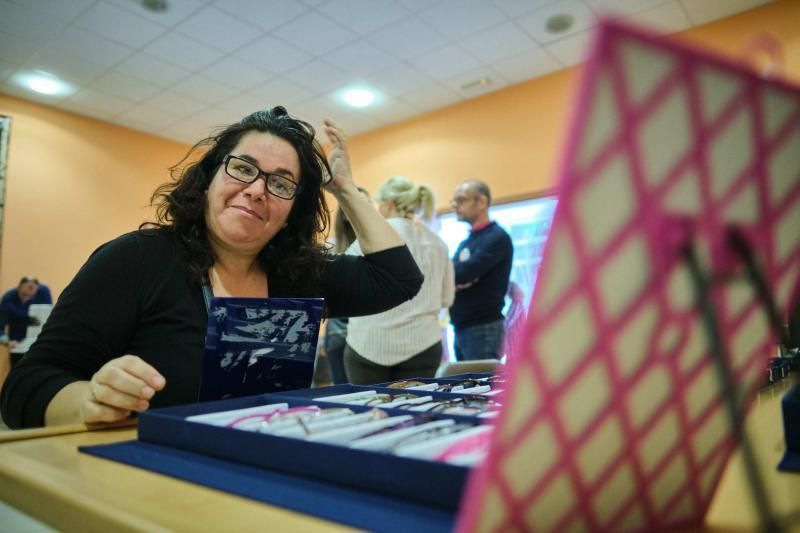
(248, 211)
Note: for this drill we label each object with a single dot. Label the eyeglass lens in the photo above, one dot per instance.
(247, 172)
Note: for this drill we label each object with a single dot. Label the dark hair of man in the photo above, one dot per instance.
(295, 252)
(27, 279)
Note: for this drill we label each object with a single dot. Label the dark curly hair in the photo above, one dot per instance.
(295, 252)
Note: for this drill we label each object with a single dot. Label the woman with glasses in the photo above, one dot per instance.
(243, 219)
(406, 341)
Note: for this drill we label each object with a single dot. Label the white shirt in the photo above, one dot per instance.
(396, 335)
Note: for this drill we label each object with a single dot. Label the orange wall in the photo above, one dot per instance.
(72, 184)
(511, 138)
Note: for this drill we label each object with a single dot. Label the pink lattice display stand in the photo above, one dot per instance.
(613, 416)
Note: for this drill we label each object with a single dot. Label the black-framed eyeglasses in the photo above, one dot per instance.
(246, 172)
(466, 384)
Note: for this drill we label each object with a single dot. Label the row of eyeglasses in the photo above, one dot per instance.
(465, 404)
(419, 436)
(489, 385)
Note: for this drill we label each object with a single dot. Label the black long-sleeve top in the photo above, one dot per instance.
(136, 295)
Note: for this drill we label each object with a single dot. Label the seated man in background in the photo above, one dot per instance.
(14, 307)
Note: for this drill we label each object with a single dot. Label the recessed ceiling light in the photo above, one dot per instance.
(43, 83)
(559, 23)
(359, 97)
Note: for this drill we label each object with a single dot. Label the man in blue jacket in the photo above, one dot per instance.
(482, 266)
(14, 308)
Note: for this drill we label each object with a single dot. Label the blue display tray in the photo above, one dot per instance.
(380, 473)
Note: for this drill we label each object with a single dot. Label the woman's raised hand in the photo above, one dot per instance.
(339, 157)
(121, 386)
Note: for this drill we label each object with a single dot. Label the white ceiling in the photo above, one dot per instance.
(206, 63)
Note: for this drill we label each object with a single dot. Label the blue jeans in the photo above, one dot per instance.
(481, 341)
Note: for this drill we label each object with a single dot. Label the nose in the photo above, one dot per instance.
(258, 188)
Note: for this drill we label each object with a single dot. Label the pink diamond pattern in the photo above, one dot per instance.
(645, 448)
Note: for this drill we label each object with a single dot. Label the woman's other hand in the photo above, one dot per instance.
(121, 386)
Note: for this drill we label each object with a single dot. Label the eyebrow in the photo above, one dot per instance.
(279, 170)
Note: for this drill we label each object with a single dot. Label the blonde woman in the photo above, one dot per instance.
(406, 341)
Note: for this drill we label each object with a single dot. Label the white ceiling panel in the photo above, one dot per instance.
(354, 121)
(182, 51)
(393, 110)
(280, 91)
(16, 48)
(246, 103)
(665, 18)
(318, 76)
(498, 43)
(359, 58)
(272, 54)
(117, 24)
(150, 68)
(266, 14)
(445, 62)
(218, 30)
(364, 16)
(203, 89)
(214, 118)
(458, 19)
(314, 33)
(623, 7)
(59, 62)
(57, 8)
(416, 5)
(6, 68)
(180, 104)
(22, 20)
(408, 39)
(85, 46)
(527, 65)
(144, 117)
(114, 82)
(398, 79)
(236, 73)
(179, 10)
(515, 8)
(105, 103)
(317, 108)
(705, 11)
(432, 96)
(184, 131)
(571, 50)
(89, 110)
(203, 63)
